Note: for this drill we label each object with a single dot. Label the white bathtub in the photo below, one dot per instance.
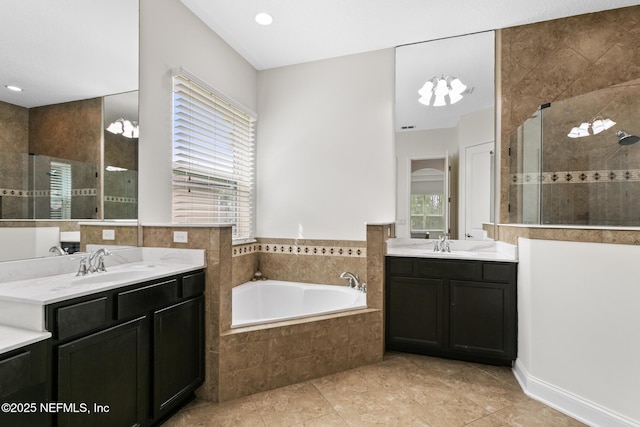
(266, 301)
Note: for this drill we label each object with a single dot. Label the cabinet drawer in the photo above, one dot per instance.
(400, 267)
(192, 285)
(496, 272)
(448, 269)
(141, 300)
(15, 373)
(81, 317)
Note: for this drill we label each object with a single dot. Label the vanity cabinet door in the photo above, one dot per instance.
(24, 384)
(415, 314)
(481, 320)
(109, 369)
(178, 354)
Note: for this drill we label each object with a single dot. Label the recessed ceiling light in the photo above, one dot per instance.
(13, 88)
(264, 18)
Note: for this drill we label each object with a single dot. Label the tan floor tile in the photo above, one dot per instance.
(489, 421)
(291, 405)
(484, 389)
(331, 420)
(240, 412)
(402, 390)
(532, 413)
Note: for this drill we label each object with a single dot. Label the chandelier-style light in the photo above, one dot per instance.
(441, 87)
(126, 128)
(596, 125)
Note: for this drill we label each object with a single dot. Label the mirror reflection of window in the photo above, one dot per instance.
(428, 201)
(60, 187)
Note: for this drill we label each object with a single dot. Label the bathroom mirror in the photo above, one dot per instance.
(462, 133)
(68, 58)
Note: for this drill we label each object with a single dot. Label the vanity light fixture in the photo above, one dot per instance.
(126, 128)
(13, 88)
(263, 18)
(441, 87)
(596, 125)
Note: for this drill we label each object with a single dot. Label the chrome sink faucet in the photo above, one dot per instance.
(96, 260)
(442, 244)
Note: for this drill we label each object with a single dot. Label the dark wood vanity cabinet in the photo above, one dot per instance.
(132, 355)
(462, 309)
(25, 377)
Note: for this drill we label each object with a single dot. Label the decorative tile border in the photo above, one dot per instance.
(118, 199)
(12, 192)
(275, 248)
(46, 193)
(576, 177)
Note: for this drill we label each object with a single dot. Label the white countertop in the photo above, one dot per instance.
(480, 250)
(26, 287)
(13, 338)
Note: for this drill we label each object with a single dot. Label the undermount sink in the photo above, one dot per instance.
(458, 253)
(108, 277)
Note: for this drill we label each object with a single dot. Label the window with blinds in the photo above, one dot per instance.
(60, 190)
(213, 158)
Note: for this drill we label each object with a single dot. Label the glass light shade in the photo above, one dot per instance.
(439, 102)
(426, 93)
(457, 86)
(426, 100)
(116, 127)
(441, 88)
(454, 97)
(601, 125)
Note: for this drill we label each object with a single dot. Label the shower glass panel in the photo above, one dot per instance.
(589, 180)
(43, 187)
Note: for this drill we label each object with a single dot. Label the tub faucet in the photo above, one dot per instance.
(57, 250)
(96, 260)
(354, 280)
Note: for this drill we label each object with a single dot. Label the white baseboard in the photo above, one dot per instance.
(568, 403)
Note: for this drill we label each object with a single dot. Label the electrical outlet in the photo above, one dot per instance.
(180, 237)
(108, 234)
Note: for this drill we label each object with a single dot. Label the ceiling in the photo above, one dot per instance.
(311, 30)
(66, 50)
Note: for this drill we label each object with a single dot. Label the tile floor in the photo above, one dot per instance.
(402, 390)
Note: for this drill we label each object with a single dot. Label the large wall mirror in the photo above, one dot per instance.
(76, 65)
(445, 137)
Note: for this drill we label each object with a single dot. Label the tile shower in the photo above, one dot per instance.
(591, 180)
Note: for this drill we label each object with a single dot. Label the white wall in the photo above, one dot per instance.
(579, 328)
(325, 147)
(474, 129)
(412, 145)
(171, 36)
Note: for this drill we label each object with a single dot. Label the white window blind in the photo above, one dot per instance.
(60, 194)
(213, 158)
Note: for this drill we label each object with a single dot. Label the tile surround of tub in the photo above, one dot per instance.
(307, 261)
(256, 359)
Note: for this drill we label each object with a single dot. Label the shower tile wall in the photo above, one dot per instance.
(70, 131)
(559, 59)
(14, 144)
(120, 186)
(584, 181)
